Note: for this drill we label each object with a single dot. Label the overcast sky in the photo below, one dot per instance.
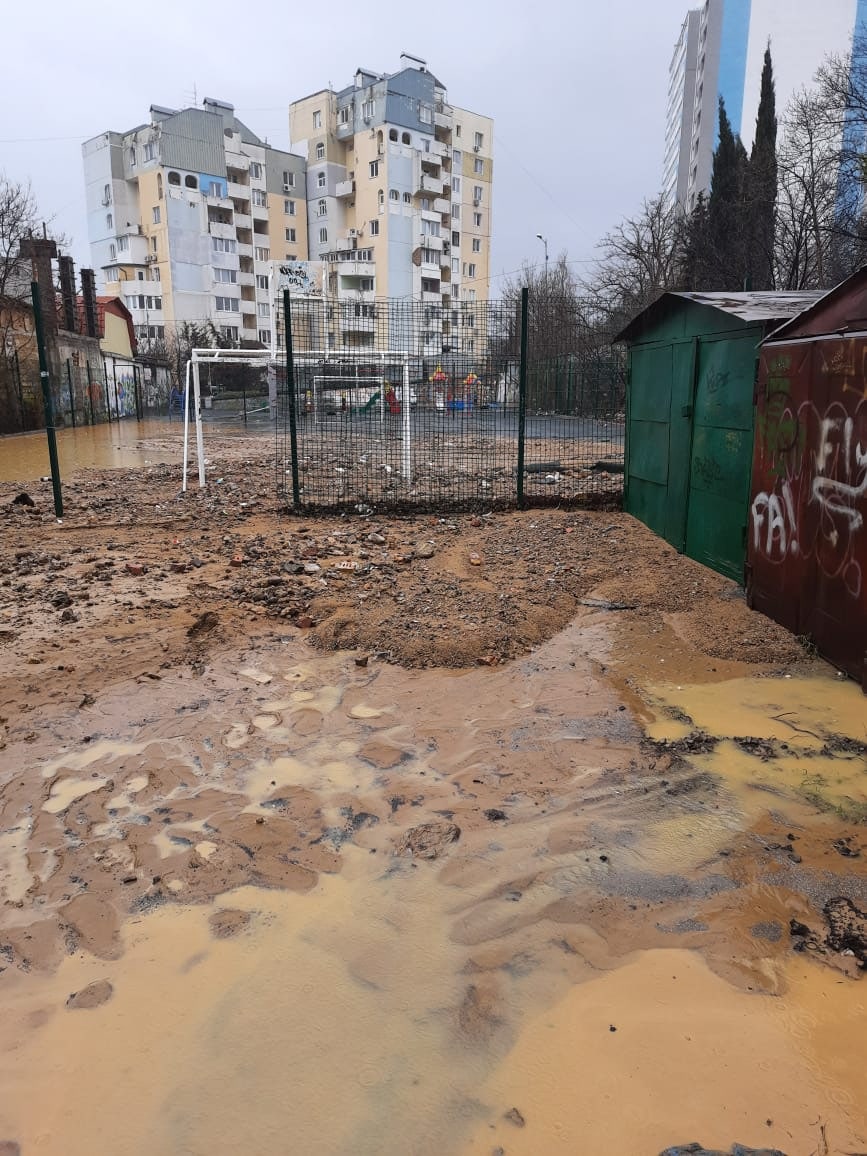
(576, 88)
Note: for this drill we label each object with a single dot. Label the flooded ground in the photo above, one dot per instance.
(112, 445)
(604, 897)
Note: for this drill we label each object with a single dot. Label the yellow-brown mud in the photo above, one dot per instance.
(209, 942)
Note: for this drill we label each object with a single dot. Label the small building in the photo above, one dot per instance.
(689, 417)
(807, 554)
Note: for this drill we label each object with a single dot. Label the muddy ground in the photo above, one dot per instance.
(202, 692)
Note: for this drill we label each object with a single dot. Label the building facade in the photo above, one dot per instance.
(399, 192)
(185, 215)
(730, 41)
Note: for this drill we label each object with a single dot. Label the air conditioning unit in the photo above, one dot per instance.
(354, 233)
(476, 202)
(287, 188)
(477, 148)
(150, 258)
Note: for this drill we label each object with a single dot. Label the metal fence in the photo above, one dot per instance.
(388, 403)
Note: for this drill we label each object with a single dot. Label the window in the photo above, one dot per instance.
(106, 195)
(457, 130)
(478, 141)
(261, 253)
(156, 273)
(343, 115)
(456, 238)
(478, 165)
(430, 228)
(255, 170)
(230, 332)
(457, 156)
(477, 245)
(430, 257)
(374, 168)
(380, 196)
(392, 134)
(471, 270)
(263, 309)
(228, 304)
(191, 182)
(158, 302)
(155, 213)
(227, 276)
(477, 220)
(122, 244)
(112, 252)
(289, 208)
(425, 113)
(265, 336)
(261, 280)
(140, 275)
(160, 187)
(174, 178)
(407, 198)
(323, 236)
(393, 195)
(132, 157)
(290, 235)
(456, 266)
(215, 188)
(320, 151)
(150, 151)
(374, 228)
(456, 212)
(317, 118)
(223, 244)
(368, 109)
(365, 284)
(288, 179)
(406, 138)
(291, 257)
(321, 180)
(321, 208)
(259, 197)
(109, 221)
(456, 185)
(477, 193)
(425, 204)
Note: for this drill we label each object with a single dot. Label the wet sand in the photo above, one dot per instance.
(213, 936)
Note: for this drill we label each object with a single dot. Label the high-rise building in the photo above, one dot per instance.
(399, 186)
(185, 215)
(731, 38)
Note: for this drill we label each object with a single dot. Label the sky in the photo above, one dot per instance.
(577, 90)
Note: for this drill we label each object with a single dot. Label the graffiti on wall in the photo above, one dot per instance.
(814, 467)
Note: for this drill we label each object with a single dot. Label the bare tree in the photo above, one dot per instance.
(640, 258)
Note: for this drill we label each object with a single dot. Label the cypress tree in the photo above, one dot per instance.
(762, 185)
(727, 223)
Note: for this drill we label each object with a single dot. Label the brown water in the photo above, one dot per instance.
(407, 1007)
(24, 457)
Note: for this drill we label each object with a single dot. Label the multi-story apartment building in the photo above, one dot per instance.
(731, 38)
(399, 186)
(185, 215)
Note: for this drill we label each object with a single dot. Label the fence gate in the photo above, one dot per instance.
(396, 404)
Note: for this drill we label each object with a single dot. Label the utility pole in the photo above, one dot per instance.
(544, 241)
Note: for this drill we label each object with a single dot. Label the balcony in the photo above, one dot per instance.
(245, 250)
(345, 131)
(218, 202)
(428, 184)
(440, 148)
(431, 298)
(260, 212)
(242, 192)
(443, 119)
(238, 162)
(361, 320)
(243, 221)
(441, 205)
(344, 189)
(219, 230)
(355, 268)
(432, 242)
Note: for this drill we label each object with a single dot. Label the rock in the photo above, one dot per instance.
(312, 568)
(735, 1150)
(136, 569)
(847, 928)
(796, 928)
(428, 840)
(204, 624)
(293, 567)
(514, 1116)
(376, 539)
(304, 621)
(362, 662)
(61, 599)
(91, 996)
(475, 559)
(23, 499)
(425, 550)
(69, 616)
(225, 924)
(494, 815)
(238, 560)
(179, 567)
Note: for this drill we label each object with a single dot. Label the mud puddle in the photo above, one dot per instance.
(255, 967)
(114, 445)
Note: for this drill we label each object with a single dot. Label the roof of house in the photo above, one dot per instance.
(841, 310)
(748, 307)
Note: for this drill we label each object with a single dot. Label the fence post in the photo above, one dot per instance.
(522, 393)
(46, 399)
(19, 388)
(71, 390)
(139, 408)
(290, 398)
(90, 392)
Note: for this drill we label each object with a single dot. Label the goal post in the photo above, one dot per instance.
(260, 359)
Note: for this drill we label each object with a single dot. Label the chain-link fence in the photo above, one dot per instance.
(406, 404)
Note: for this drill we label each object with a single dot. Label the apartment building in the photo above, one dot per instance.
(730, 41)
(186, 215)
(399, 191)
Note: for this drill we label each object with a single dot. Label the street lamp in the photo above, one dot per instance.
(544, 241)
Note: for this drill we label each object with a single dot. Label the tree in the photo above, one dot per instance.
(551, 310)
(726, 257)
(761, 186)
(18, 218)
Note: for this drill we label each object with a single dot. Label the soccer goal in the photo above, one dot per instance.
(259, 359)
